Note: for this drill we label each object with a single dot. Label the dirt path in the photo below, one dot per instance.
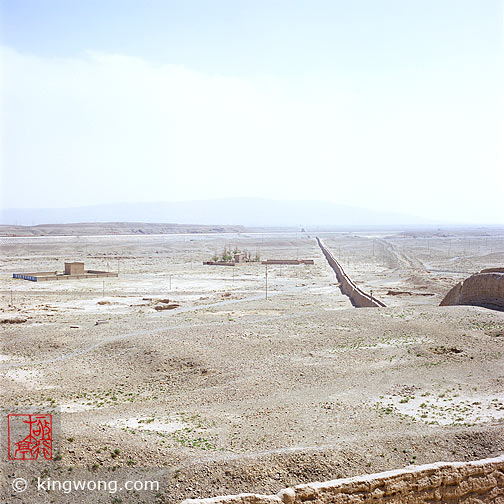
(403, 260)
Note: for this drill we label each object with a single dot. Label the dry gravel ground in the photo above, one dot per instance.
(231, 392)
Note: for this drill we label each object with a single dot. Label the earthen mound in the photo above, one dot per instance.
(482, 289)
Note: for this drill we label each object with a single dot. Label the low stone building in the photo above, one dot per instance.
(73, 271)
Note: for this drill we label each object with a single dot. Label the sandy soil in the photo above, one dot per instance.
(233, 392)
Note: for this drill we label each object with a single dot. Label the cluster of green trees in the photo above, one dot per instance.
(228, 255)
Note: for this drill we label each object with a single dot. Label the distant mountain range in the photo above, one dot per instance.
(251, 212)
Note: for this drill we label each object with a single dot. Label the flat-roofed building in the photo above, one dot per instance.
(74, 268)
(73, 271)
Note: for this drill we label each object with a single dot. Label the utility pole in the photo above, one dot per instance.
(118, 266)
(11, 298)
(266, 278)
(103, 291)
(170, 281)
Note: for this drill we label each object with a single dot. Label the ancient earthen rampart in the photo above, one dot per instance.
(359, 298)
(482, 289)
(480, 481)
(288, 261)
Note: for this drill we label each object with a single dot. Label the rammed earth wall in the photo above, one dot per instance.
(480, 481)
(482, 289)
(359, 298)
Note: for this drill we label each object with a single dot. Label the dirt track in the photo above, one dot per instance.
(232, 392)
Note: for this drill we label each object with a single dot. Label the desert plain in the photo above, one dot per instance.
(231, 391)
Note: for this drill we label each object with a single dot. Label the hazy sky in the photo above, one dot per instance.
(393, 105)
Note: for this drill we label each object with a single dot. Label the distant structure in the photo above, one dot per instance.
(239, 258)
(73, 271)
(288, 261)
(485, 289)
(358, 297)
(232, 258)
(218, 263)
(74, 268)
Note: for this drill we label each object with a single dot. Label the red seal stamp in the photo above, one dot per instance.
(30, 436)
